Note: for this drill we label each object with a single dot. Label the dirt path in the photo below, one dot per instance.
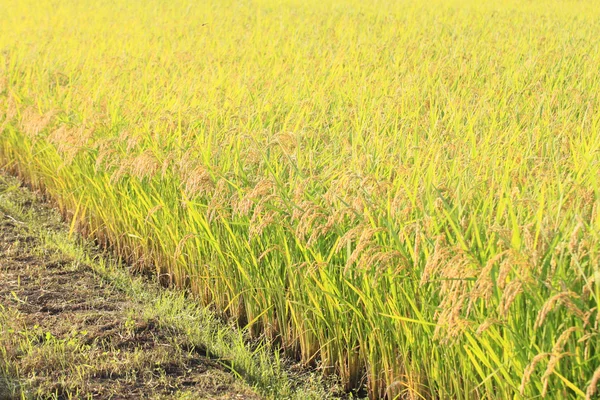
(67, 333)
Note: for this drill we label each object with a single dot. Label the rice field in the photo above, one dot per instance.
(404, 194)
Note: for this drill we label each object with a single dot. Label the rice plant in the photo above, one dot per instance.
(405, 194)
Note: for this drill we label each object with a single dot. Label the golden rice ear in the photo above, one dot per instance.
(181, 245)
(484, 285)
(198, 182)
(144, 165)
(510, 293)
(551, 303)
(11, 110)
(530, 369)
(261, 219)
(32, 123)
(122, 169)
(556, 355)
(592, 388)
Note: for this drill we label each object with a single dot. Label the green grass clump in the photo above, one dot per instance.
(402, 193)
